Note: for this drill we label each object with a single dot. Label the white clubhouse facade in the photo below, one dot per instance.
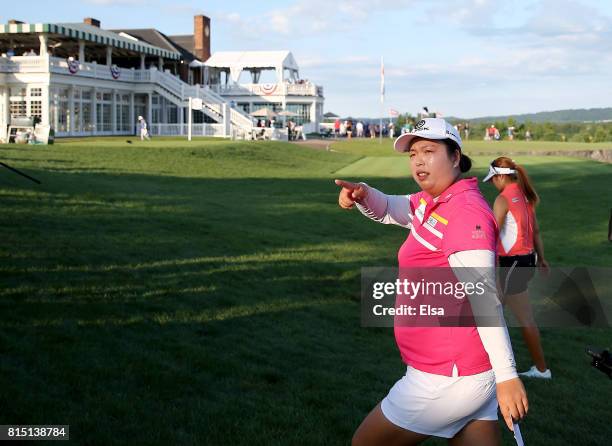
(82, 80)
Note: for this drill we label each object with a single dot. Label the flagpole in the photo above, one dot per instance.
(382, 96)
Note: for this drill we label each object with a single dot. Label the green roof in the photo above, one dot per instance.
(89, 33)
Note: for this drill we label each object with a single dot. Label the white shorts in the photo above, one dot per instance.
(440, 405)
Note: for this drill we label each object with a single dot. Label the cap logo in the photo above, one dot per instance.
(420, 126)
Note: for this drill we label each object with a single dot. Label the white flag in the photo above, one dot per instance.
(382, 80)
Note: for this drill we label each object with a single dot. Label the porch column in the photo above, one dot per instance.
(132, 117)
(142, 62)
(44, 118)
(44, 43)
(160, 63)
(181, 117)
(114, 112)
(226, 119)
(94, 111)
(4, 109)
(81, 51)
(313, 111)
(109, 55)
(150, 110)
(70, 114)
(54, 101)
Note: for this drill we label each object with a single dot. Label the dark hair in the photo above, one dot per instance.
(465, 163)
(522, 178)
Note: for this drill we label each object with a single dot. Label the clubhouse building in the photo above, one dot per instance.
(79, 79)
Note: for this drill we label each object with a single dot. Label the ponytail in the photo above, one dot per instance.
(526, 186)
(522, 178)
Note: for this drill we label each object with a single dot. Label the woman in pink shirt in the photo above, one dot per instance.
(456, 376)
(520, 249)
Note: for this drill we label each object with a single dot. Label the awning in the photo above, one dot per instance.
(89, 33)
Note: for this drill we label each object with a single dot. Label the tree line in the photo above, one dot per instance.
(539, 131)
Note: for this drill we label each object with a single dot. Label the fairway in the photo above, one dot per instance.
(207, 293)
(389, 166)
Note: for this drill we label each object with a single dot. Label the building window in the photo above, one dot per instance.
(36, 109)
(86, 117)
(62, 116)
(18, 108)
(25, 102)
(302, 111)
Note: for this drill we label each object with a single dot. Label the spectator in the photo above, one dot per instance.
(349, 129)
(359, 129)
(290, 130)
(144, 131)
(336, 128)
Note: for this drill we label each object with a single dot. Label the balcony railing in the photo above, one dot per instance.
(278, 89)
(49, 64)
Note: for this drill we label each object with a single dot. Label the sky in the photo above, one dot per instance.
(465, 58)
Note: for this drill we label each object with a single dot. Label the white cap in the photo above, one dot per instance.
(428, 128)
(140, 118)
(494, 170)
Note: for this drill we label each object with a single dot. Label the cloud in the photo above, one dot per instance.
(468, 13)
(304, 17)
(522, 46)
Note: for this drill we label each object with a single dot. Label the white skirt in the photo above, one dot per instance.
(440, 405)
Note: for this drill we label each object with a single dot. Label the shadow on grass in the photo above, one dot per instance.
(222, 311)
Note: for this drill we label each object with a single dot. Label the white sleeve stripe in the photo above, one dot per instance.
(495, 340)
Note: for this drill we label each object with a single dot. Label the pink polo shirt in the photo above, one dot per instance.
(460, 220)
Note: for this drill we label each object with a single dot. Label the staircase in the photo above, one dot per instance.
(179, 92)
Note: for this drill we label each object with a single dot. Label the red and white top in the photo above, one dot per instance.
(516, 234)
(459, 221)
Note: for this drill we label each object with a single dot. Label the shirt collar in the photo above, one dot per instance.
(457, 187)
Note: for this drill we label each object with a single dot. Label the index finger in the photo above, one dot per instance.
(347, 184)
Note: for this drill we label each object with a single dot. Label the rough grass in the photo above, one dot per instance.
(207, 293)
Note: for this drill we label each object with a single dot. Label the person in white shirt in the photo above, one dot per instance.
(359, 129)
(144, 131)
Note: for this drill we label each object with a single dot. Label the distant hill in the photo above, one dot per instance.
(571, 115)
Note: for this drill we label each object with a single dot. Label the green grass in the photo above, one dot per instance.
(373, 147)
(208, 293)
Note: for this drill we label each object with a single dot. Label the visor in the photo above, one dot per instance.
(493, 170)
(429, 128)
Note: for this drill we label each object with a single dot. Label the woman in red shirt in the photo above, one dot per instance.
(520, 249)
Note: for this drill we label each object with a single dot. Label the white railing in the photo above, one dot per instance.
(181, 130)
(49, 64)
(278, 89)
(27, 64)
(240, 118)
(169, 81)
